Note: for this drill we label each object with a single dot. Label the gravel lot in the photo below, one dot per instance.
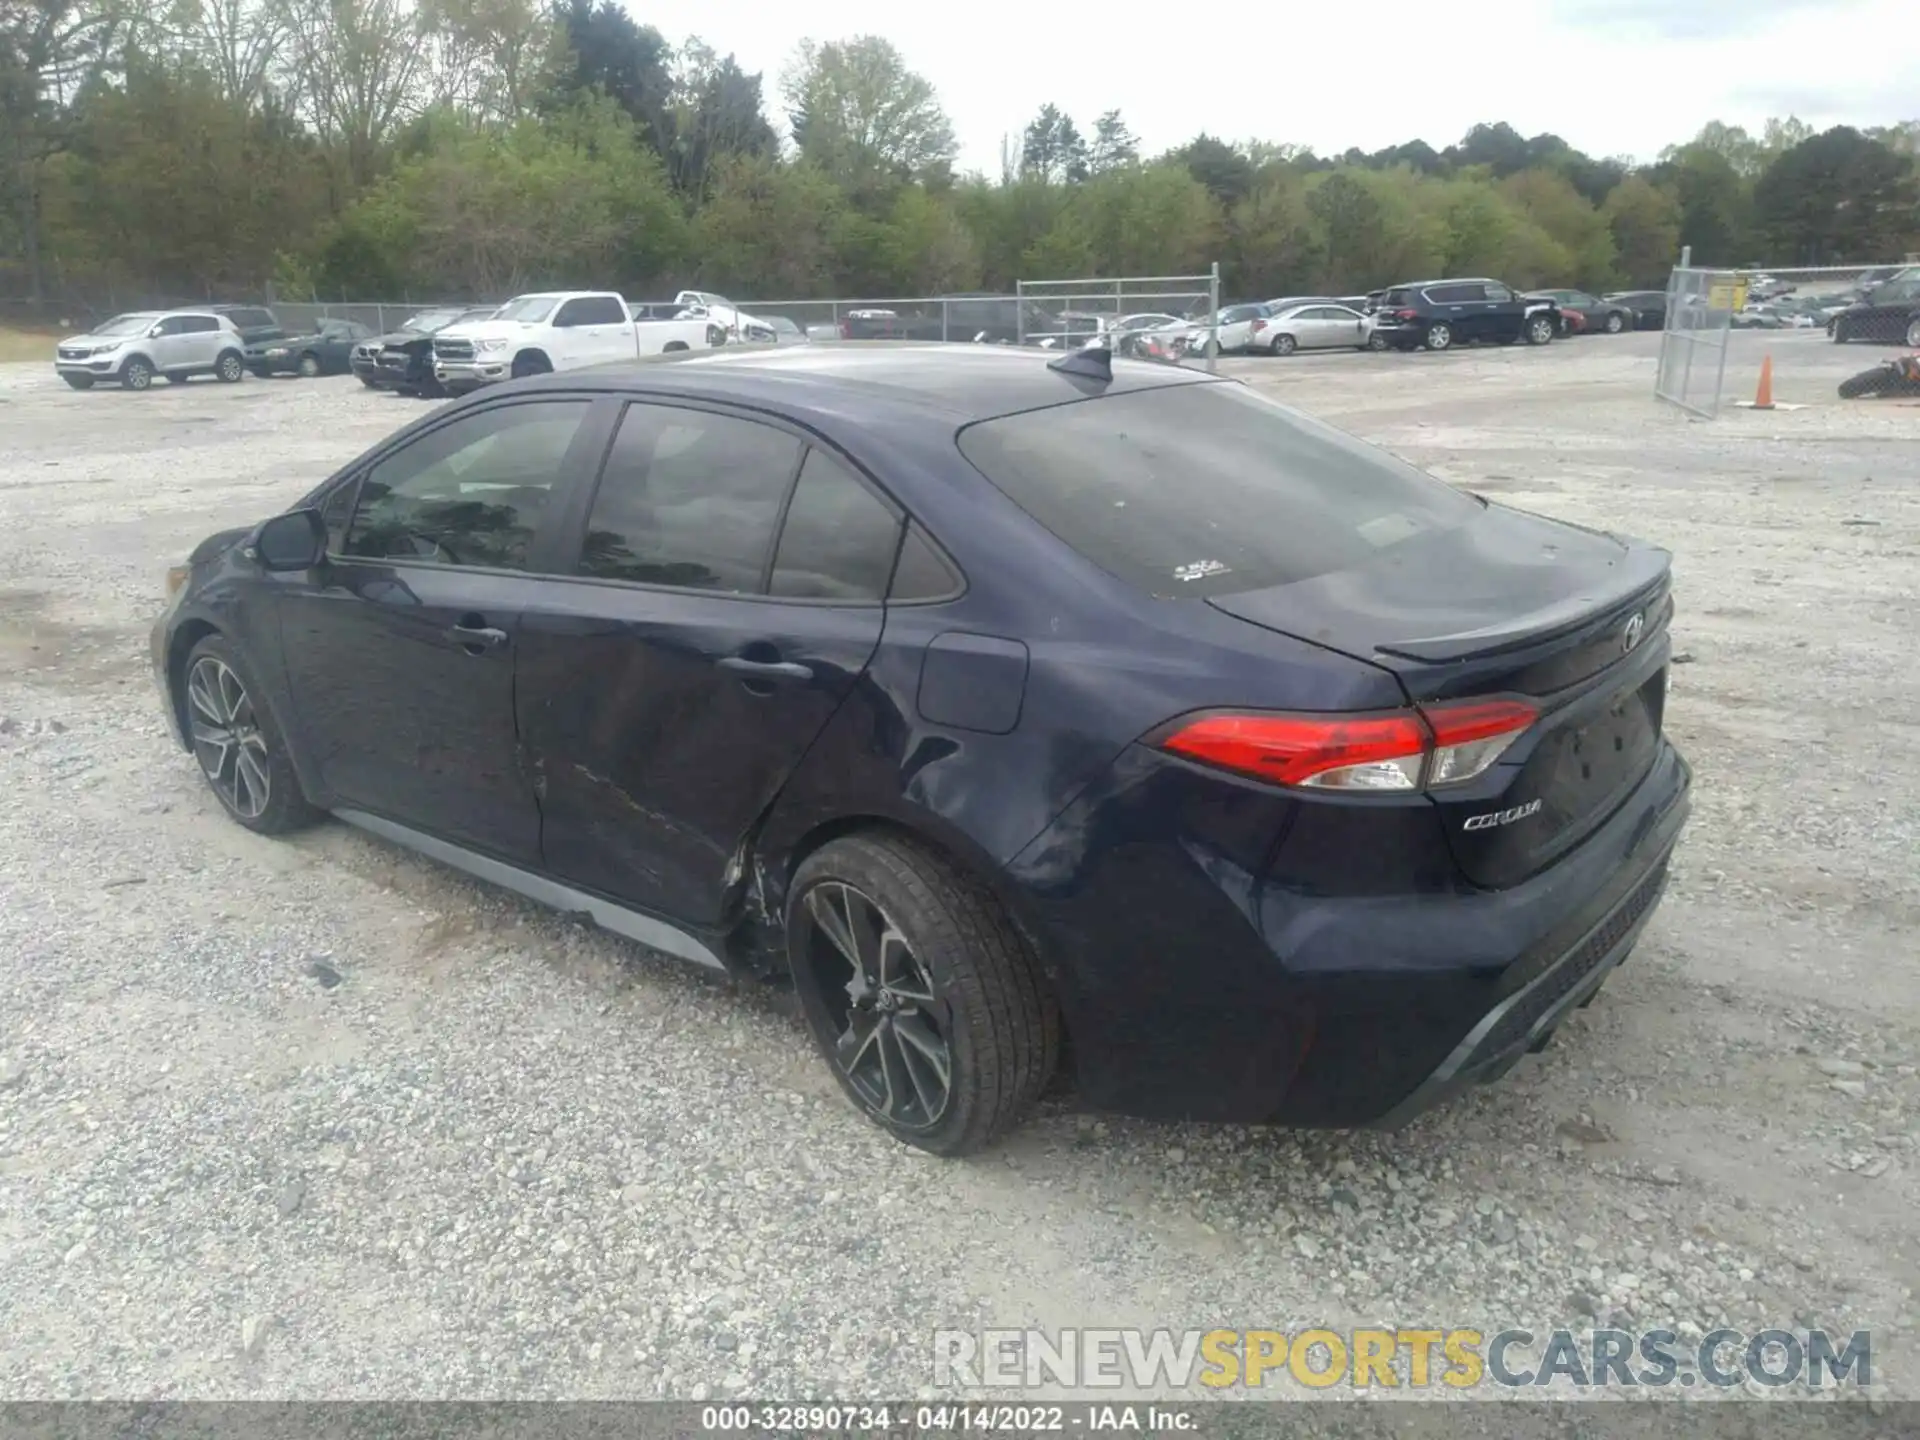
(319, 1119)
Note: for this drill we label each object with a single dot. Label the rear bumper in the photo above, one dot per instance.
(1195, 986)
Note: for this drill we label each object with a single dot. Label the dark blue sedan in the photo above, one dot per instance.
(1008, 708)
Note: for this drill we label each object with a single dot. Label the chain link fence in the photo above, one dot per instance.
(1184, 308)
(1693, 346)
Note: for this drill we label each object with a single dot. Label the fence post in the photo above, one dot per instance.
(1020, 312)
(944, 337)
(1213, 319)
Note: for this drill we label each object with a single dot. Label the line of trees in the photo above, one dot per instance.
(376, 148)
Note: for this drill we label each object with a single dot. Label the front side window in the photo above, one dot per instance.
(528, 309)
(1500, 294)
(471, 493)
(1207, 489)
(689, 498)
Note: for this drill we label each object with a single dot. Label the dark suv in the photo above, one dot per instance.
(1889, 313)
(256, 323)
(1440, 314)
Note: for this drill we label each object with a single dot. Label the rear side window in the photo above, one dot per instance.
(839, 539)
(1207, 489)
(689, 498)
(592, 310)
(1397, 297)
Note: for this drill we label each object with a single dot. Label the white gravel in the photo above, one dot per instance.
(319, 1119)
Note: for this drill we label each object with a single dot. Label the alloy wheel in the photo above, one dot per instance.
(309, 366)
(1541, 331)
(1913, 335)
(227, 739)
(1283, 344)
(137, 375)
(1614, 323)
(893, 1022)
(231, 368)
(1439, 337)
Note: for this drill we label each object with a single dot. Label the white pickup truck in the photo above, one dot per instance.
(558, 330)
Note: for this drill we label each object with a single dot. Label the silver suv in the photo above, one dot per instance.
(136, 347)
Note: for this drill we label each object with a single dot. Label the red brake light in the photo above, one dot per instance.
(1258, 326)
(1402, 750)
(1406, 314)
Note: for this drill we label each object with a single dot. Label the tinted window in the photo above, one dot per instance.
(1397, 297)
(592, 310)
(922, 574)
(839, 539)
(1234, 314)
(469, 493)
(1455, 294)
(337, 511)
(248, 319)
(689, 498)
(1498, 293)
(1208, 482)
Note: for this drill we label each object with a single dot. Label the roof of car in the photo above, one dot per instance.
(961, 382)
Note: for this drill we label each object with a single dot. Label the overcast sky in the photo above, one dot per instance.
(1610, 76)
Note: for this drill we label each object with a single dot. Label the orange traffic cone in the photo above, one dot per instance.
(1763, 397)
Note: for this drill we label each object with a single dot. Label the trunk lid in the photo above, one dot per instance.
(1509, 604)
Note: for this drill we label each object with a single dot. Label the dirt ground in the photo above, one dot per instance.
(499, 1155)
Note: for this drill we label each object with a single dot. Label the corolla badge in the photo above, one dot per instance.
(1636, 627)
(1502, 817)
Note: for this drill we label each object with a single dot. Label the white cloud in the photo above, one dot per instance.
(1620, 77)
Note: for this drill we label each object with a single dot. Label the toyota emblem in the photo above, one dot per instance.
(1636, 626)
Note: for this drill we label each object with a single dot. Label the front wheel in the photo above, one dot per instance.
(1913, 334)
(1283, 345)
(79, 382)
(309, 366)
(137, 373)
(1539, 330)
(1439, 337)
(920, 993)
(1376, 342)
(1615, 323)
(242, 755)
(534, 364)
(230, 368)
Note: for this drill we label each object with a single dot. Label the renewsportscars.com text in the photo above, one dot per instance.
(1459, 1359)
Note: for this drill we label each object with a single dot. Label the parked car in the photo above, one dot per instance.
(988, 319)
(1598, 314)
(327, 350)
(1312, 327)
(1235, 329)
(740, 327)
(135, 349)
(1890, 314)
(560, 330)
(785, 332)
(964, 691)
(1126, 330)
(256, 323)
(1766, 287)
(1647, 307)
(403, 360)
(1440, 314)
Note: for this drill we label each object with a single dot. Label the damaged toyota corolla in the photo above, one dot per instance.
(1016, 712)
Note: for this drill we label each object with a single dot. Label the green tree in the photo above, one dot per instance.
(1113, 144)
(862, 117)
(1052, 148)
(767, 228)
(1569, 220)
(1225, 171)
(1645, 222)
(1836, 197)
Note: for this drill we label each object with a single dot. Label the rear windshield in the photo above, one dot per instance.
(1207, 489)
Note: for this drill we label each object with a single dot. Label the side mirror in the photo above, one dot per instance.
(295, 541)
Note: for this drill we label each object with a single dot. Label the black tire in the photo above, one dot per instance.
(230, 368)
(1539, 330)
(531, 363)
(1913, 334)
(1839, 333)
(79, 382)
(1376, 343)
(954, 942)
(1616, 322)
(309, 366)
(1439, 336)
(136, 373)
(1876, 381)
(1283, 345)
(285, 807)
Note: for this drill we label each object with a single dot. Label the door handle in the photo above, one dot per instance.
(767, 671)
(477, 639)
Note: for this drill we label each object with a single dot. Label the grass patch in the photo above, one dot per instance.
(27, 344)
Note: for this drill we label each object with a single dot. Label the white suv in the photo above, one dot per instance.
(137, 347)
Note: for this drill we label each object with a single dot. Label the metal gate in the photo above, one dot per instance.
(1071, 312)
(1693, 346)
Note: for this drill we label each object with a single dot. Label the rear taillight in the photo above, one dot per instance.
(1400, 750)
(846, 329)
(1258, 326)
(1406, 314)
